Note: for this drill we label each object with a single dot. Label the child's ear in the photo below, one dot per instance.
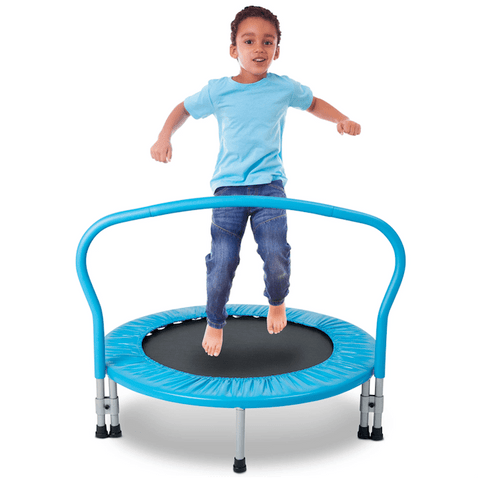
(233, 51)
(277, 53)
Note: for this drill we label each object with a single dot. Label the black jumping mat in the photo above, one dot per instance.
(248, 349)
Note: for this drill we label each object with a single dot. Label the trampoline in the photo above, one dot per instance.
(315, 357)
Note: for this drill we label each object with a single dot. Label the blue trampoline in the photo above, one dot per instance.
(315, 357)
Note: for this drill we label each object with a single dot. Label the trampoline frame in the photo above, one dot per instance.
(108, 405)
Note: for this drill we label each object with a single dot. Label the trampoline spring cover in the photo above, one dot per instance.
(350, 364)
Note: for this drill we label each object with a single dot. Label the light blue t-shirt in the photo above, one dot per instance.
(251, 119)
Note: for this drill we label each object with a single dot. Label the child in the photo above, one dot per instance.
(250, 109)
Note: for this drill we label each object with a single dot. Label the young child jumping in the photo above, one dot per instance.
(250, 109)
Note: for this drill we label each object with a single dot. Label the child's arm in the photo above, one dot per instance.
(162, 149)
(323, 110)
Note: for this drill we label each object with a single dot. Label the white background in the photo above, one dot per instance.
(85, 89)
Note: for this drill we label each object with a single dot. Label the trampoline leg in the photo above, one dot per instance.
(371, 404)
(114, 421)
(364, 429)
(107, 406)
(377, 432)
(101, 427)
(240, 465)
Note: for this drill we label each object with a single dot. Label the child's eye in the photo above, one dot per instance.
(268, 43)
(248, 42)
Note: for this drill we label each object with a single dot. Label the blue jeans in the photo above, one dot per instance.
(269, 226)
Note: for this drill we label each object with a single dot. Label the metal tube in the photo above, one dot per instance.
(112, 390)
(363, 411)
(240, 450)
(379, 387)
(366, 388)
(377, 420)
(377, 417)
(100, 396)
(364, 419)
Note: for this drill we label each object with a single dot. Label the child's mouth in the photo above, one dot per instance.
(258, 60)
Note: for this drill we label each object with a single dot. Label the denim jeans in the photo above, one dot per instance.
(269, 226)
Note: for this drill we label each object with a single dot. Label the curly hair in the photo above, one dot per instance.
(252, 11)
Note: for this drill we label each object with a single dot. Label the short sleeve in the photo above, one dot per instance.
(302, 96)
(199, 105)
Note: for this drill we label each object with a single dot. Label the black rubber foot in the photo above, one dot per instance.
(239, 466)
(364, 433)
(115, 431)
(377, 434)
(101, 432)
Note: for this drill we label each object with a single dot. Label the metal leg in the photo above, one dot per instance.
(240, 465)
(107, 406)
(364, 429)
(377, 433)
(101, 427)
(371, 404)
(114, 420)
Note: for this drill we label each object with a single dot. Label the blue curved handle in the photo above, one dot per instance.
(240, 201)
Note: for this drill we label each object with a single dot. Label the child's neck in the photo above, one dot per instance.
(246, 77)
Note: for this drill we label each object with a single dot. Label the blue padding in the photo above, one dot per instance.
(350, 365)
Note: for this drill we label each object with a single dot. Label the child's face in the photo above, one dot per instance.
(256, 48)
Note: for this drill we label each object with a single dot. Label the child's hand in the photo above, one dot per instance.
(347, 126)
(162, 150)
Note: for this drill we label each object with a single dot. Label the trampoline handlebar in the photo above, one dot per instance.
(239, 201)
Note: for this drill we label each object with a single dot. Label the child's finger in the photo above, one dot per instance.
(340, 128)
(156, 155)
(152, 153)
(355, 129)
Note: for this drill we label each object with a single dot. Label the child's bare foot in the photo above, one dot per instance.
(277, 318)
(212, 341)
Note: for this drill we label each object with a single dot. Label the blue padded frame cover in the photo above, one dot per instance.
(350, 364)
